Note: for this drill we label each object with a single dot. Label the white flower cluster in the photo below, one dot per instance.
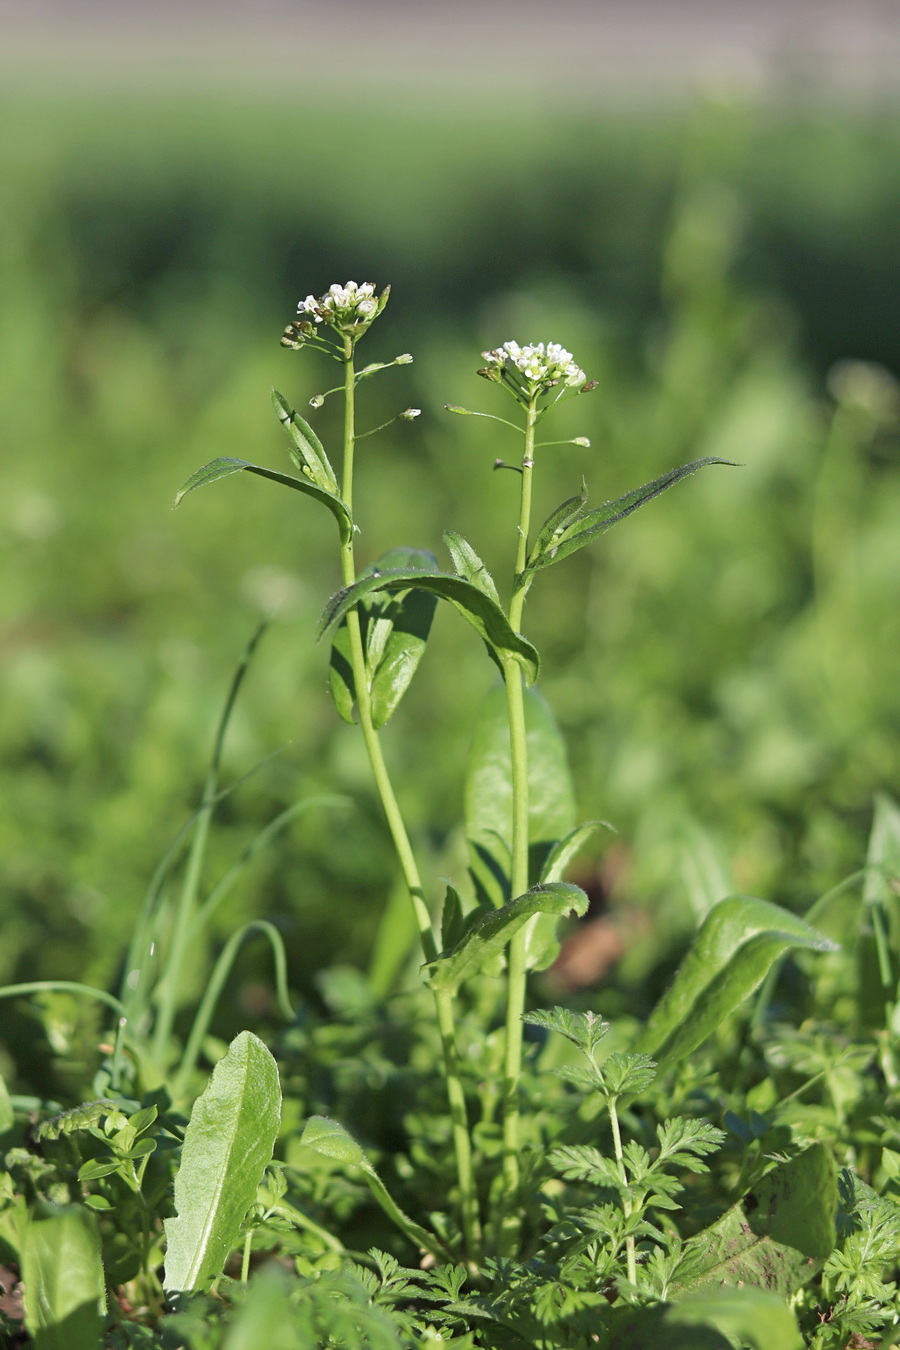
(340, 305)
(539, 363)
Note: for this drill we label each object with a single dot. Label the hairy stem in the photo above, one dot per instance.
(402, 846)
(630, 1255)
(515, 1002)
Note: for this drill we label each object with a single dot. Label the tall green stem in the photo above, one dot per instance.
(406, 857)
(515, 998)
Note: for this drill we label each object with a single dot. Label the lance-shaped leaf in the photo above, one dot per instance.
(222, 468)
(395, 628)
(227, 1147)
(488, 808)
(562, 854)
(733, 951)
(486, 617)
(306, 449)
(556, 524)
(487, 937)
(469, 565)
(778, 1236)
(591, 524)
(62, 1270)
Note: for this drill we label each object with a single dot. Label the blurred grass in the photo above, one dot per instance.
(726, 664)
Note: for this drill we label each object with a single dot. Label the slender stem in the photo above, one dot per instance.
(630, 1255)
(515, 998)
(402, 846)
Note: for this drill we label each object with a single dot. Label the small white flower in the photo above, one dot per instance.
(346, 307)
(541, 365)
(411, 413)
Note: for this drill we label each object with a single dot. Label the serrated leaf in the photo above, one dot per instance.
(329, 1138)
(584, 1029)
(592, 524)
(225, 465)
(488, 807)
(227, 1147)
(478, 609)
(469, 565)
(394, 629)
(779, 1235)
(628, 1073)
(306, 449)
(62, 1270)
(730, 956)
(489, 935)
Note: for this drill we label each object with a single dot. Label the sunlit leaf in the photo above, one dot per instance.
(487, 937)
(590, 525)
(779, 1235)
(730, 956)
(62, 1270)
(224, 466)
(306, 449)
(227, 1147)
(486, 617)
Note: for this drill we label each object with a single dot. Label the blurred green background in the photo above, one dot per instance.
(725, 665)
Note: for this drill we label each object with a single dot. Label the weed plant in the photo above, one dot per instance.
(721, 1169)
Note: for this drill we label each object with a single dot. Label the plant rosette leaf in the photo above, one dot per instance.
(485, 616)
(227, 1146)
(62, 1271)
(735, 947)
(492, 930)
(779, 1235)
(225, 465)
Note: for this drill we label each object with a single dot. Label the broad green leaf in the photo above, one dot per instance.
(488, 808)
(333, 1141)
(730, 956)
(7, 1116)
(222, 467)
(482, 613)
(779, 1235)
(565, 515)
(469, 565)
(394, 628)
(306, 449)
(493, 929)
(592, 524)
(227, 1147)
(62, 1270)
(751, 1317)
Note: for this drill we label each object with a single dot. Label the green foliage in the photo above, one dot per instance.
(227, 1147)
(726, 689)
(63, 1276)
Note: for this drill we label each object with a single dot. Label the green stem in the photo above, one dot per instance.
(515, 997)
(630, 1254)
(171, 984)
(402, 845)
